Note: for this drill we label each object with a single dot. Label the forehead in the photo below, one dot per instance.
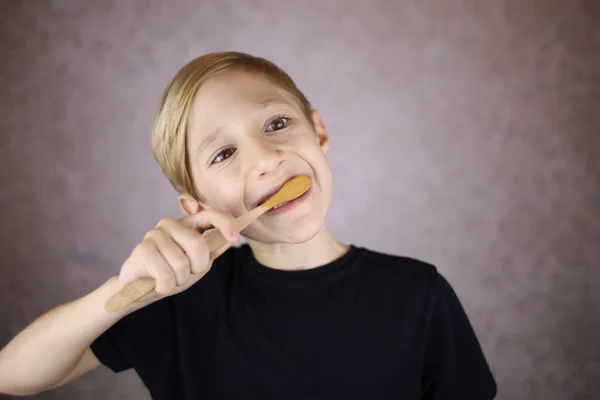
(236, 90)
(233, 98)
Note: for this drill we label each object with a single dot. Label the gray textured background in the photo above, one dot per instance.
(465, 133)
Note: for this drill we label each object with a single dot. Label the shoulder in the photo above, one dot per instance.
(398, 271)
(127, 342)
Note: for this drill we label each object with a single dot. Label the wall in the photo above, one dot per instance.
(463, 133)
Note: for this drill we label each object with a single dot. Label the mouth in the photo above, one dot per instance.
(284, 207)
(271, 192)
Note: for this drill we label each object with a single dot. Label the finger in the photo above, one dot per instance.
(175, 256)
(158, 268)
(191, 242)
(213, 218)
(133, 269)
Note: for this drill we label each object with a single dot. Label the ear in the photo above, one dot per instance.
(320, 130)
(189, 205)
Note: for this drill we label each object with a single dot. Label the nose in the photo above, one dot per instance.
(264, 159)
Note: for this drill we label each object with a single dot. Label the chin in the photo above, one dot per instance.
(304, 232)
(301, 230)
(298, 232)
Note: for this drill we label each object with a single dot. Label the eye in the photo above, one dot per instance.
(222, 156)
(277, 124)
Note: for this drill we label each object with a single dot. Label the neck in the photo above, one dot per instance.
(322, 249)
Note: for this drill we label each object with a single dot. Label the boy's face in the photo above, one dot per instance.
(246, 137)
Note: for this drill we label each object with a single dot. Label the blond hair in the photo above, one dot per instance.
(170, 122)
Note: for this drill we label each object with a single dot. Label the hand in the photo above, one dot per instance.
(175, 253)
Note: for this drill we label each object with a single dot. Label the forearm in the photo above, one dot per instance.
(49, 348)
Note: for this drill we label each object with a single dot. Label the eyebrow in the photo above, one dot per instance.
(268, 102)
(208, 140)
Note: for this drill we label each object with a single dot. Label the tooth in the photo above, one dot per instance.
(279, 205)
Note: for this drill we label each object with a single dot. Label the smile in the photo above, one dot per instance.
(273, 190)
(287, 206)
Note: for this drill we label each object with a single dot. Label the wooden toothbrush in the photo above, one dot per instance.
(215, 241)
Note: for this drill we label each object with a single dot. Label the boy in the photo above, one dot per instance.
(294, 314)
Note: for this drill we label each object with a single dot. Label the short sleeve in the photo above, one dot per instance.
(142, 340)
(107, 351)
(455, 367)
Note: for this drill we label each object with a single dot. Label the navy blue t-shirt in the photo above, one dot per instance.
(365, 326)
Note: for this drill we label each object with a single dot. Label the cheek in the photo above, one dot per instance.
(320, 167)
(309, 148)
(223, 195)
